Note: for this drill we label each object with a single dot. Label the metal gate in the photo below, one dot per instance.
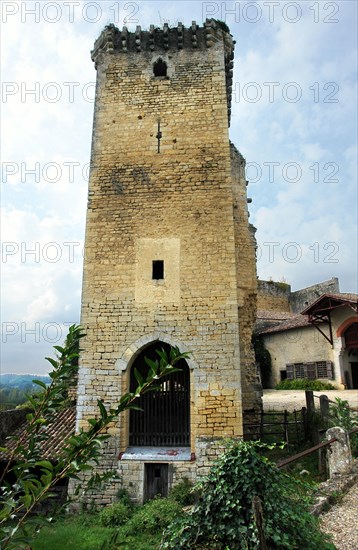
(165, 416)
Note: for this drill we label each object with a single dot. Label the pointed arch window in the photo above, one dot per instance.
(165, 416)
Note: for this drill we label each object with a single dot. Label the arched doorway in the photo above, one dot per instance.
(351, 344)
(164, 420)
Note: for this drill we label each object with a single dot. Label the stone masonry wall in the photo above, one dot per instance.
(175, 205)
(247, 284)
(273, 296)
(300, 299)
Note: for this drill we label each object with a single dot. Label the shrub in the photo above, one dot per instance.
(123, 496)
(184, 492)
(152, 517)
(304, 384)
(224, 516)
(341, 415)
(115, 514)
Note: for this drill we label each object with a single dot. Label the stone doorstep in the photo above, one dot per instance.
(326, 494)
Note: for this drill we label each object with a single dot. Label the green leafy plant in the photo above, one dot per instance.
(152, 517)
(340, 414)
(263, 359)
(184, 492)
(304, 384)
(115, 514)
(226, 517)
(36, 478)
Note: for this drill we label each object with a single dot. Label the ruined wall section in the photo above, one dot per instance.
(273, 296)
(245, 247)
(300, 299)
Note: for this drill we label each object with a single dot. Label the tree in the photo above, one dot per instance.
(35, 478)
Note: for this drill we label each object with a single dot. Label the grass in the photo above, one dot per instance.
(142, 531)
(74, 534)
(80, 532)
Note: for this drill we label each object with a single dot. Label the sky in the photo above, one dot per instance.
(294, 116)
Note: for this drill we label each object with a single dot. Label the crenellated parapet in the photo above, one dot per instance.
(168, 39)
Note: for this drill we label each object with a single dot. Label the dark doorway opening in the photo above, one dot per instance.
(354, 368)
(155, 480)
(283, 375)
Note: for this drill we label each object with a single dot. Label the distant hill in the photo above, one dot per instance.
(15, 387)
(22, 381)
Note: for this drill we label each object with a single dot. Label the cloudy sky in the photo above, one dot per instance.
(294, 119)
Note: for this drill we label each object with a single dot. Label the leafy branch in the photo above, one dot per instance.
(35, 477)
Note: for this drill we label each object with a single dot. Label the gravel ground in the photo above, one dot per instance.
(290, 400)
(341, 521)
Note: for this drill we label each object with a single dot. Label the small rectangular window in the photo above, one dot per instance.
(158, 269)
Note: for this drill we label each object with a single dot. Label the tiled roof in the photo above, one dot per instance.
(57, 432)
(296, 321)
(341, 298)
(278, 321)
(270, 315)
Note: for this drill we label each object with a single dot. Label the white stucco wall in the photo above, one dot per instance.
(296, 346)
(306, 344)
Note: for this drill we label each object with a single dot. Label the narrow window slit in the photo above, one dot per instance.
(157, 269)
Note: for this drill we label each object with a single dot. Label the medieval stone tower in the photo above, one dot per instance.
(169, 254)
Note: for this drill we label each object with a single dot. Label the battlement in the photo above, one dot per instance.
(168, 39)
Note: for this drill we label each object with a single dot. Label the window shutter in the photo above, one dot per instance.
(329, 370)
(299, 370)
(290, 372)
(310, 371)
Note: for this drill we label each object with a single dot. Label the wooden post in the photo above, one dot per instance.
(259, 520)
(310, 401)
(324, 408)
(285, 426)
(324, 411)
(312, 425)
(305, 423)
(296, 427)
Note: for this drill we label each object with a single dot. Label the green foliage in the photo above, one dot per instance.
(35, 478)
(224, 516)
(304, 384)
(119, 512)
(342, 415)
(80, 532)
(116, 514)
(14, 389)
(263, 359)
(152, 517)
(184, 493)
(83, 532)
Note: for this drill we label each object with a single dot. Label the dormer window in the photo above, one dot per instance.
(160, 68)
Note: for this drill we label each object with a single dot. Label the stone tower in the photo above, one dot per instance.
(169, 253)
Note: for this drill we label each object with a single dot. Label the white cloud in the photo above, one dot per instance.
(313, 211)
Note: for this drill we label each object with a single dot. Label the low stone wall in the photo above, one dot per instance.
(328, 492)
